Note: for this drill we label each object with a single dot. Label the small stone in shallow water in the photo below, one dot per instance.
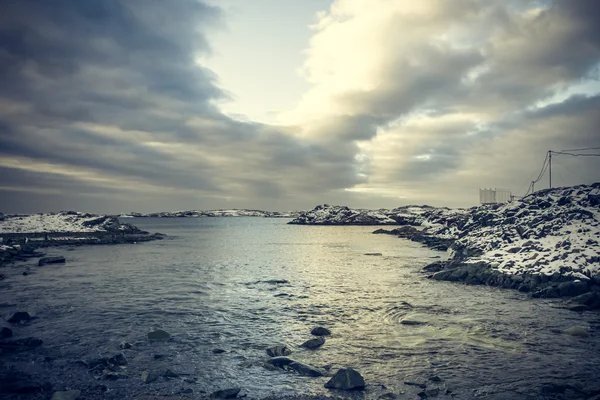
(19, 316)
(346, 379)
(159, 356)
(411, 322)
(125, 345)
(158, 336)
(226, 393)
(435, 378)
(314, 343)
(219, 351)
(67, 395)
(320, 331)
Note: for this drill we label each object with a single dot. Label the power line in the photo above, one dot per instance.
(587, 148)
(576, 155)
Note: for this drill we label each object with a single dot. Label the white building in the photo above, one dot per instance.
(494, 195)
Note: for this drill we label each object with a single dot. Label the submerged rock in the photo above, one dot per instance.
(314, 343)
(278, 351)
(51, 260)
(66, 395)
(226, 393)
(159, 336)
(346, 379)
(125, 345)
(20, 316)
(320, 331)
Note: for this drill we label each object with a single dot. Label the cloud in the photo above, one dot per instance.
(451, 90)
(105, 106)
(110, 94)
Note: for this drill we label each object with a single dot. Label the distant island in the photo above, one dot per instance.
(214, 213)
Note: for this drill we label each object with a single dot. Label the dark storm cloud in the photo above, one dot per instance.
(114, 88)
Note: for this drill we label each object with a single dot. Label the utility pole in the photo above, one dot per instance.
(550, 167)
(532, 186)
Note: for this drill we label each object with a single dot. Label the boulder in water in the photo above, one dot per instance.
(19, 316)
(314, 343)
(346, 379)
(320, 331)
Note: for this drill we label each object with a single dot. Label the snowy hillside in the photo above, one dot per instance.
(551, 231)
(66, 221)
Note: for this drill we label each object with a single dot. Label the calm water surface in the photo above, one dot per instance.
(206, 285)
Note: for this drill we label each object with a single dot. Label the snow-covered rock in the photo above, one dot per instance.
(342, 215)
(547, 242)
(66, 221)
(442, 220)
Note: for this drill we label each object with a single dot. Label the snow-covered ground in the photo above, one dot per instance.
(69, 221)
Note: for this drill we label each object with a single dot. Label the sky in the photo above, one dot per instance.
(145, 105)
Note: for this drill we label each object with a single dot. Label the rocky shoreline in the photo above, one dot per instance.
(22, 235)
